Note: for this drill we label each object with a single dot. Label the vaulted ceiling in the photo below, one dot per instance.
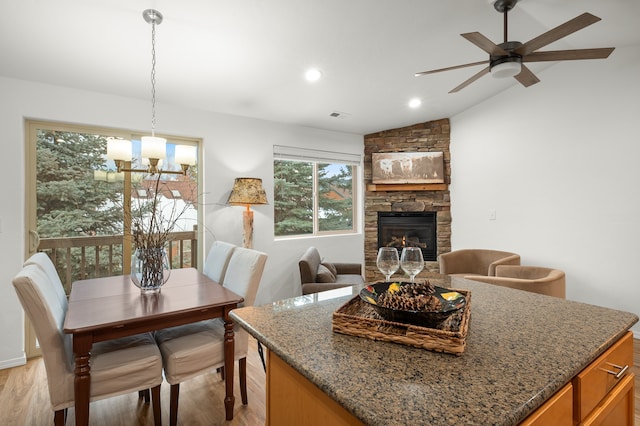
(248, 57)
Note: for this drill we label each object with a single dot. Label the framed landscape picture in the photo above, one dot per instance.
(407, 167)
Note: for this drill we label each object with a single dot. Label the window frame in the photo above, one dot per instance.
(317, 157)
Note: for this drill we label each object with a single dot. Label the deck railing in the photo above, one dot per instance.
(78, 258)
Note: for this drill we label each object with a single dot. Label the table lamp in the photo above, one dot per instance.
(247, 191)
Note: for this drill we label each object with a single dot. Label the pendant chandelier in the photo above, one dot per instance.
(153, 148)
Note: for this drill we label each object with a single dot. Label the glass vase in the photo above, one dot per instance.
(150, 269)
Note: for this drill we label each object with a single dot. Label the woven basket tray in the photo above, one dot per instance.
(357, 318)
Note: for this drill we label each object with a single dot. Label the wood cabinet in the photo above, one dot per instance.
(601, 394)
(604, 390)
(617, 408)
(557, 411)
(294, 400)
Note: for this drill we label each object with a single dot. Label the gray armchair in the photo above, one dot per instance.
(316, 275)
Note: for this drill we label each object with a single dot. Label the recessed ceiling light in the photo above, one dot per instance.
(415, 103)
(313, 74)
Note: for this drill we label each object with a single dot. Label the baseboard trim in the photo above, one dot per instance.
(15, 362)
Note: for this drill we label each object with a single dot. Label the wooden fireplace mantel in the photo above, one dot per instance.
(408, 187)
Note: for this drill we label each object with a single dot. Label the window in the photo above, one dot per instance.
(314, 192)
(78, 204)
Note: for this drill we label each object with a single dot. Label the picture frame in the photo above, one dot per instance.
(407, 167)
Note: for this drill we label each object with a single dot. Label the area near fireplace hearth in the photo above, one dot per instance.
(432, 136)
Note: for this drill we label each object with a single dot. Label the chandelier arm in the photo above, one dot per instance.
(120, 167)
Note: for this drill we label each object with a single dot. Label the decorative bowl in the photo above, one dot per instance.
(450, 301)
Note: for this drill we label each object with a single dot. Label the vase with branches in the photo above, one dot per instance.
(152, 223)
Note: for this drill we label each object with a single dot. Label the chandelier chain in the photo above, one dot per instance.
(153, 78)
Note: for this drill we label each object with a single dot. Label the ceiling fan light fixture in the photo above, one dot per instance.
(415, 103)
(506, 69)
(313, 74)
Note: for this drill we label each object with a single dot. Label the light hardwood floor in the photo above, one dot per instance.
(24, 399)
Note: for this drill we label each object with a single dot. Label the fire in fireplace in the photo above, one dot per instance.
(409, 229)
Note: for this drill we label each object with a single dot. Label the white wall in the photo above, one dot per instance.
(233, 147)
(558, 162)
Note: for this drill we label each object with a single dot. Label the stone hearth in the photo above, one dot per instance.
(424, 137)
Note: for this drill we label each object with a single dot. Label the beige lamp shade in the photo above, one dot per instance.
(247, 191)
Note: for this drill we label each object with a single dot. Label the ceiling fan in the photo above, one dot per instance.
(507, 59)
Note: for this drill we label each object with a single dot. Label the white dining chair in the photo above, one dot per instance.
(217, 260)
(194, 349)
(44, 262)
(117, 366)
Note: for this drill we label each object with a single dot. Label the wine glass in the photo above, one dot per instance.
(411, 261)
(387, 261)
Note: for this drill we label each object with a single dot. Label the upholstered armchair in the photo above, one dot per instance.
(475, 261)
(535, 279)
(317, 275)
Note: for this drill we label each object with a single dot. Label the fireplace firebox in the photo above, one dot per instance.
(409, 229)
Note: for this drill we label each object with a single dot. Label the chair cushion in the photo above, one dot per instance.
(192, 349)
(350, 279)
(131, 363)
(527, 272)
(324, 275)
(330, 266)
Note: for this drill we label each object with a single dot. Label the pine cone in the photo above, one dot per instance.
(412, 297)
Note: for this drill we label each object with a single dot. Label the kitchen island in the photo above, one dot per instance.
(522, 348)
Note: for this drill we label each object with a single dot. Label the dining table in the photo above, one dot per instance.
(108, 308)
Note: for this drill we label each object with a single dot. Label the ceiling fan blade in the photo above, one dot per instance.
(526, 77)
(557, 33)
(569, 55)
(450, 68)
(470, 80)
(484, 43)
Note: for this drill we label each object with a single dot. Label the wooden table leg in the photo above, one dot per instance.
(82, 381)
(229, 399)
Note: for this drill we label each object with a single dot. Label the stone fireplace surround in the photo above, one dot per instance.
(423, 137)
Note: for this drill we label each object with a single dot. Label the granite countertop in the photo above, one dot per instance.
(521, 349)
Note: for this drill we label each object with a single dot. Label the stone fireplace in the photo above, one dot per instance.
(408, 199)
